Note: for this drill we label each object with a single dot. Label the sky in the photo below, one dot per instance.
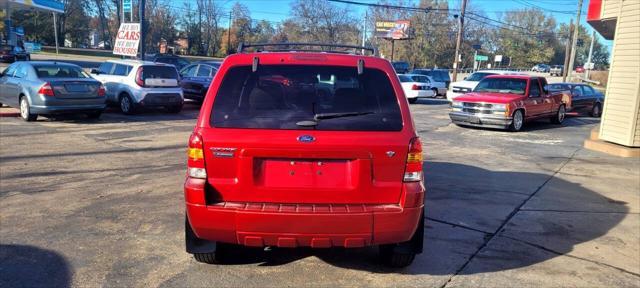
(563, 10)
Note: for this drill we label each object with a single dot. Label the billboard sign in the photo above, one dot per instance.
(127, 40)
(396, 30)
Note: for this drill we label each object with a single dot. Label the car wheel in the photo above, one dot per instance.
(94, 114)
(560, 115)
(596, 111)
(174, 109)
(126, 104)
(435, 92)
(25, 110)
(518, 121)
(394, 258)
(412, 100)
(28, 58)
(224, 253)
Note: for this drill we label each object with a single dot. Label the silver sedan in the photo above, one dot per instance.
(47, 87)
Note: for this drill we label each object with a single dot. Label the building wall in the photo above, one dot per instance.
(610, 9)
(621, 114)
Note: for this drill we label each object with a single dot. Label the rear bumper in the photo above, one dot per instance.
(66, 109)
(480, 120)
(162, 99)
(308, 225)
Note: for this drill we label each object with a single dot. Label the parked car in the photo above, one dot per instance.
(544, 68)
(438, 88)
(583, 97)
(439, 75)
(416, 86)
(508, 101)
(46, 87)
(172, 59)
(135, 84)
(556, 70)
(401, 67)
(579, 69)
(468, 83)
(196, 79)
(272, 163)
(10, 54)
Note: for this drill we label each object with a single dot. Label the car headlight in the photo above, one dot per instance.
(501, 107)
(456, 104)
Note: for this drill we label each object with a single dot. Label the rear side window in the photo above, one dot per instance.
(159, 72)
(53, 71)
(204, 71)
(122, 70)
(288, 96)
(105, 68)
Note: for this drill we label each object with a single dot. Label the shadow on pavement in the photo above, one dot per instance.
(476, 197)
(29, 266)
(432, 101)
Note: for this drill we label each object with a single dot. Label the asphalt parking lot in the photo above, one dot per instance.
(100, 203)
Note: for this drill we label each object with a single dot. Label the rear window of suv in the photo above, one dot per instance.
(159, 72)
(292, 96)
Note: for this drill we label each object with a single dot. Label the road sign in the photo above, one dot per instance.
(482, 58)
(126, 6)
(127, 39)
(498, 58)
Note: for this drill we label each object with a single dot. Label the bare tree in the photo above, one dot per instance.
(325, 22)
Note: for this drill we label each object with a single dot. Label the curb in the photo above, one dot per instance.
(9, 112)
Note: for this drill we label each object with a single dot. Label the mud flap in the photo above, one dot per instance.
(195, 244)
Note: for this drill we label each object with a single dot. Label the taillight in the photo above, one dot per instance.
(46, 90)
(413, 171)
(195, 155)
(415, 87)
(139, 80)
(101, 91)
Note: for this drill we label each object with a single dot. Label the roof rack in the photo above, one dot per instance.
(304, 47)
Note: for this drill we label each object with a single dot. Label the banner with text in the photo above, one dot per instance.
(127, 40)
(396, 30)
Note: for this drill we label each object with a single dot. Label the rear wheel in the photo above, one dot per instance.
(126, 104)
(223, 254)
(402, 254)
(518, 121)
(596, 110)
(435, 92)
(412, 100)
(560, 115)
(25, 110)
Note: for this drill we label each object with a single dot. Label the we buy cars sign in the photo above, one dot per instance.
(127, 39)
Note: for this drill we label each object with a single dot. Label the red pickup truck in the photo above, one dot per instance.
(508, 101)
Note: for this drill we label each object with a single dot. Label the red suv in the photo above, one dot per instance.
(300, 148)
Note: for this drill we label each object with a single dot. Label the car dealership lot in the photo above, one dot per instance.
(92, 203)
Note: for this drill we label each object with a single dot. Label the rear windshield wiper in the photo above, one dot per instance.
(320, 116)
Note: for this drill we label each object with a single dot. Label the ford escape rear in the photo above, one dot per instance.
(304, 149)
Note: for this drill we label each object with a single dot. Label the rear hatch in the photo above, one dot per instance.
(299, 134)
(157, 76)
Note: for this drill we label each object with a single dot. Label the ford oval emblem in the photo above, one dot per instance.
(306, 138)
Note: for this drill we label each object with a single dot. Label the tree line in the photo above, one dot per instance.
(524, 37)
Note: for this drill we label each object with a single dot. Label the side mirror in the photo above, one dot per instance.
(95, 71)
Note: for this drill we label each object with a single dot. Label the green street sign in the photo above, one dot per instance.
(482, 58)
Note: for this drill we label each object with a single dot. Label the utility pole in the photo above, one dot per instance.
(364, 30)
(574, 41)
(459, 41)
(229, 35)
(143, 29)
(567, 52)
(593, 39)
(55, 30)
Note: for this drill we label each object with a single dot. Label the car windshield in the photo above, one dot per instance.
(502, 85)
(306, 97)
(159, 72)
(404, 78)
(421, 79)
(57, 71)
(478, 76)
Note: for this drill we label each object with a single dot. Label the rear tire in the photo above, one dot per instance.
(395, 259)
(435, 92)
(560, 115)
(25, 110)
(518, 121)
(412, 100)
(596, 110)
(223, 254)
(127, 105)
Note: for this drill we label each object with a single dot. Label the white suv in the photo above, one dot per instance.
(136, 84)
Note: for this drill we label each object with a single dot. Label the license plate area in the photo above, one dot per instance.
(474, 119)
(74, 88)
(304, 173)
